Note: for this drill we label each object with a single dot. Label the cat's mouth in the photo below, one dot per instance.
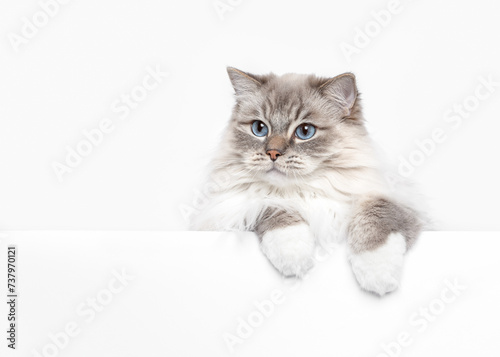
(275, 172)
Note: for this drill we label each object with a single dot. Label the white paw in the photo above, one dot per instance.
(379, 270)
(290, 249)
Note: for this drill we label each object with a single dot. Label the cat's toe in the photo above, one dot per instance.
(290, 249)
(379, 271)
(294, 266)
(379, 283)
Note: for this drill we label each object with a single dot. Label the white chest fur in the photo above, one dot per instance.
(230, 210)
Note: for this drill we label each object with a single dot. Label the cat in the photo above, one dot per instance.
(296, 166)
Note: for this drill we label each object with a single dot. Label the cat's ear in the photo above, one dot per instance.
(243, 82)
(342, 89)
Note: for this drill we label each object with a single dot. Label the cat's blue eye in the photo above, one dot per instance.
(259, 128)
(305, 131)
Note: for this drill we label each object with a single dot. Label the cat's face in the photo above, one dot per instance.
(292, 127)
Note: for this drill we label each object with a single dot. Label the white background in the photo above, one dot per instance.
(426, 60)
(183, 298)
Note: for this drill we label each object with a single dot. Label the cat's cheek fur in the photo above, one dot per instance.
(290, 249)
(379, 270)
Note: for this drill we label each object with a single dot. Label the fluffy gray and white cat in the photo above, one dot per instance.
(297, 167)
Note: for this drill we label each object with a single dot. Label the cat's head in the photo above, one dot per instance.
(291, 127)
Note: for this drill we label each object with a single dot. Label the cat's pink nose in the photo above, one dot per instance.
(273, 154)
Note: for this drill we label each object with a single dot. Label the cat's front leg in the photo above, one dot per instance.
(378, 236)
(287, 241)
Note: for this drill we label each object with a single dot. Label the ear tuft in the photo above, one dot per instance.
(243, 82)
(342, 89)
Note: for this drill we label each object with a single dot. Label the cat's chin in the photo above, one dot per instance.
(276, 177)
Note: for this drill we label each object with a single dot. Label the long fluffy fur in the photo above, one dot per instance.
(324, 196)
